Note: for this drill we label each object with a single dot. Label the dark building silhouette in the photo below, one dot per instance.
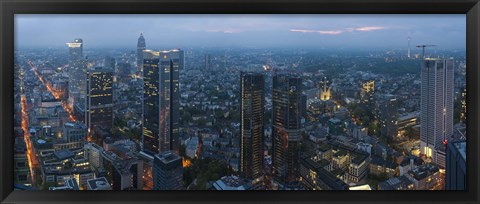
(99, 109)
(161, 100)
(252, 127)
(286, 130)
(456, 168)
(167, 171)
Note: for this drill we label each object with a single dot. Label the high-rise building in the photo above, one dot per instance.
(151, 102)
(252, 127)
(77, 70)
(99, 109)
(161, 97)
(436, 105)
(408, 54)
(167, 171)
(456, 168)
(141, 46)
(286, 130)
(208, 61)
(75, 49)
(367, 92)
(388, 116)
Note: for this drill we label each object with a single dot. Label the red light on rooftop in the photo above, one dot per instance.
(445, 142)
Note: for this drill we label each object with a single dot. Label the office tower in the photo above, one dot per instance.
(388, 116)
(167, 171)
(408, 54)
(151, 102)
(208, 61)
(75, 50)
(456, 170)
(99, 109)
(161, 100)
(252, 127)
(77, 70)
(141, 46)
(436, 105)
(286, 129)
(367, 92)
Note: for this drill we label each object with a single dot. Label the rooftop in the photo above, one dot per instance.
(423, 171)
(64, 154)
(98, 184)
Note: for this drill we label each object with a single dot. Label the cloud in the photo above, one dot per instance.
(337, 32)
(369, 28)
(324, 32)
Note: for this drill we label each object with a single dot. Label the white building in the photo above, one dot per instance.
(436, 105)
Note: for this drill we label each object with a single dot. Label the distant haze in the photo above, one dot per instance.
(294, 31)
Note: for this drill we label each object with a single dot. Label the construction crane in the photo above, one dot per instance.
(423, 49)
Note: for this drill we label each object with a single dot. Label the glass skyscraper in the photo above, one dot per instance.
(161, 100)
(286, 130)
(252, 127)
(78, 70)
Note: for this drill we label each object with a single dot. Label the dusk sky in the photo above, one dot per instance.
(295, 31)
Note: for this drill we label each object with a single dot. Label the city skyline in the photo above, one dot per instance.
(175, 31)
(248, 119)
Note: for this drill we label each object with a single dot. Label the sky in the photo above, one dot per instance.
(223, 30)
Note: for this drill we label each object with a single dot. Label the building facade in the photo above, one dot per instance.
(436, 104)
(141, 46)
(456, 168)
(167, 171)
(77, 78)
(286, 130)
(161, 99)
(99, 109)
(252, 127)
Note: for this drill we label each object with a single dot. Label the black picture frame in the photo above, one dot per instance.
(9, 8)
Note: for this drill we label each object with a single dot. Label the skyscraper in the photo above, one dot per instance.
(408, 54)
(170, 64)
(456, 168)
(77, 77)
(286, 130)
(367, 92)
(167, 171)
(161, 100)
(252, 127)
(141, 46)
(436, 104)
(75, 50)
(388, 116)
(208, 61)
(151, 102)
(99, 108)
